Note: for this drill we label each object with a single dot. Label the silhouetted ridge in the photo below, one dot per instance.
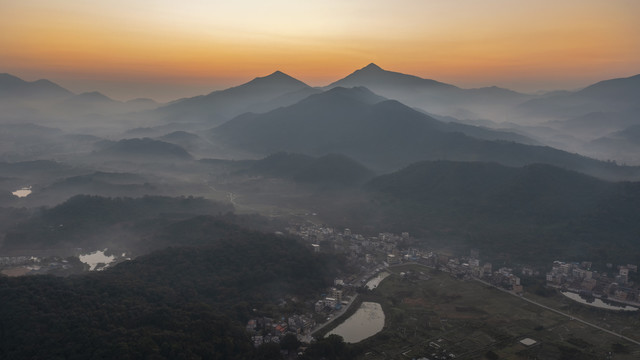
(276, 78)
(94, 96)
(372, 67)
(258, 95)
(13, 86)
(373, 76)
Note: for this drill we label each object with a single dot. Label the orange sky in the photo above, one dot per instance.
(167, 49)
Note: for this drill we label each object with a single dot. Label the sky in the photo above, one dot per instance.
(170, 49)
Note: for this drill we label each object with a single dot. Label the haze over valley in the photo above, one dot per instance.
(201, 182)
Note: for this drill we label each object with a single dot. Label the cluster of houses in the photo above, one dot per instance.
(369, 252)
(265, 330)
(580, 278)
(358, 248)
(31, 265)
(466, 267)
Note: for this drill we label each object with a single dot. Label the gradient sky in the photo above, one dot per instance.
(168, 49)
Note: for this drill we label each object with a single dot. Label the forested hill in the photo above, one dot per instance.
(96, 222)
(536, 212)
(180, 302)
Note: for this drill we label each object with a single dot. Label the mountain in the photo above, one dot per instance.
(260, 94)
(384, 136)
(187, 140)
(533, 212)
(14, 87)
(141, 149)
(97, 183)
(328, 169)
(373, 77)
(432, 95)
(615, 95)
(88, 101)
(623, 145)
(597, 124)
(140, 104)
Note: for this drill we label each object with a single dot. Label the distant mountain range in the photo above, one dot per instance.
(613, 96)
(14, 87)
(384, 135)
(299, 118)
(432, 95)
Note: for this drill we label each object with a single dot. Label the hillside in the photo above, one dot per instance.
(432, 95)
(141, 149)
(385, 136)
(97, 222)
(12, 87)
(615, 95)
(326, 170)
(178, 302)
(533, 213)
(260, 94)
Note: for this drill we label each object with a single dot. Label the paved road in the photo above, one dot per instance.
(571, 317)
(336, 315)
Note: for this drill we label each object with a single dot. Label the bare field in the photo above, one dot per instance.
(445, 316)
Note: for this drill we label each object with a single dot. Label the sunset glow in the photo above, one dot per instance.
(203, 45)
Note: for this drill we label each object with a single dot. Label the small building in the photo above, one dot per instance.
(528, 342)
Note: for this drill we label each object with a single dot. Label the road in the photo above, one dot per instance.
(571, 317)
(336, 315)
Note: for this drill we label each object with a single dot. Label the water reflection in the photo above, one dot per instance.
(367, 321)
(22, 192)
(97, 258)
(597, 302)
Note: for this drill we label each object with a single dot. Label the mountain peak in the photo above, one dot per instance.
(277, 77)
(372, 67)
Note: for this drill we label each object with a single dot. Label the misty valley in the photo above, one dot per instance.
(248, 223)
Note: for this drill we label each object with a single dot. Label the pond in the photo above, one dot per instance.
(598, 303)
(22, 192)
(97, 258)
(367, 321)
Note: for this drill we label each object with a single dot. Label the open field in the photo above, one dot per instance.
(431, 314)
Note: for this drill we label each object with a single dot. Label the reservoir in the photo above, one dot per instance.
(598, 303)
(367, 321)
(23, 192)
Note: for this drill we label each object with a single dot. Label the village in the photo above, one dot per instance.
(369, 258)
(580, 278)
